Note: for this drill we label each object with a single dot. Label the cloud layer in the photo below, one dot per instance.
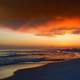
(59, 26)
(45, 27)
(31, 9)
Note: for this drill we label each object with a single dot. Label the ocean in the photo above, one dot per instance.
(43, 65)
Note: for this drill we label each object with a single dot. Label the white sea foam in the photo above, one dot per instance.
(9, 70)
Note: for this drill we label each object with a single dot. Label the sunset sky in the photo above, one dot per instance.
(42, 23)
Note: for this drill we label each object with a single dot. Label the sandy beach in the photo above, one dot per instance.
(8, 70)
(68, 70)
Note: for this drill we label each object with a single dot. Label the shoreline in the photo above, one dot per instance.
(8, 71)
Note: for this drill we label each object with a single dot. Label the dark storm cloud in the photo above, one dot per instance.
(27, 9)
(7, 9)
(46, 8)
(15, 14)
(17, 24)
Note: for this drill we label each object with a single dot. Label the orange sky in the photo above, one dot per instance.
(61, 32)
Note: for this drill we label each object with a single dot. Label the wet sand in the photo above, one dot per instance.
(7, 71)
(68, 70)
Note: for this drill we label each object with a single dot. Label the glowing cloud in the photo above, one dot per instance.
(54, 27)
(61, 32)
(8, 37)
